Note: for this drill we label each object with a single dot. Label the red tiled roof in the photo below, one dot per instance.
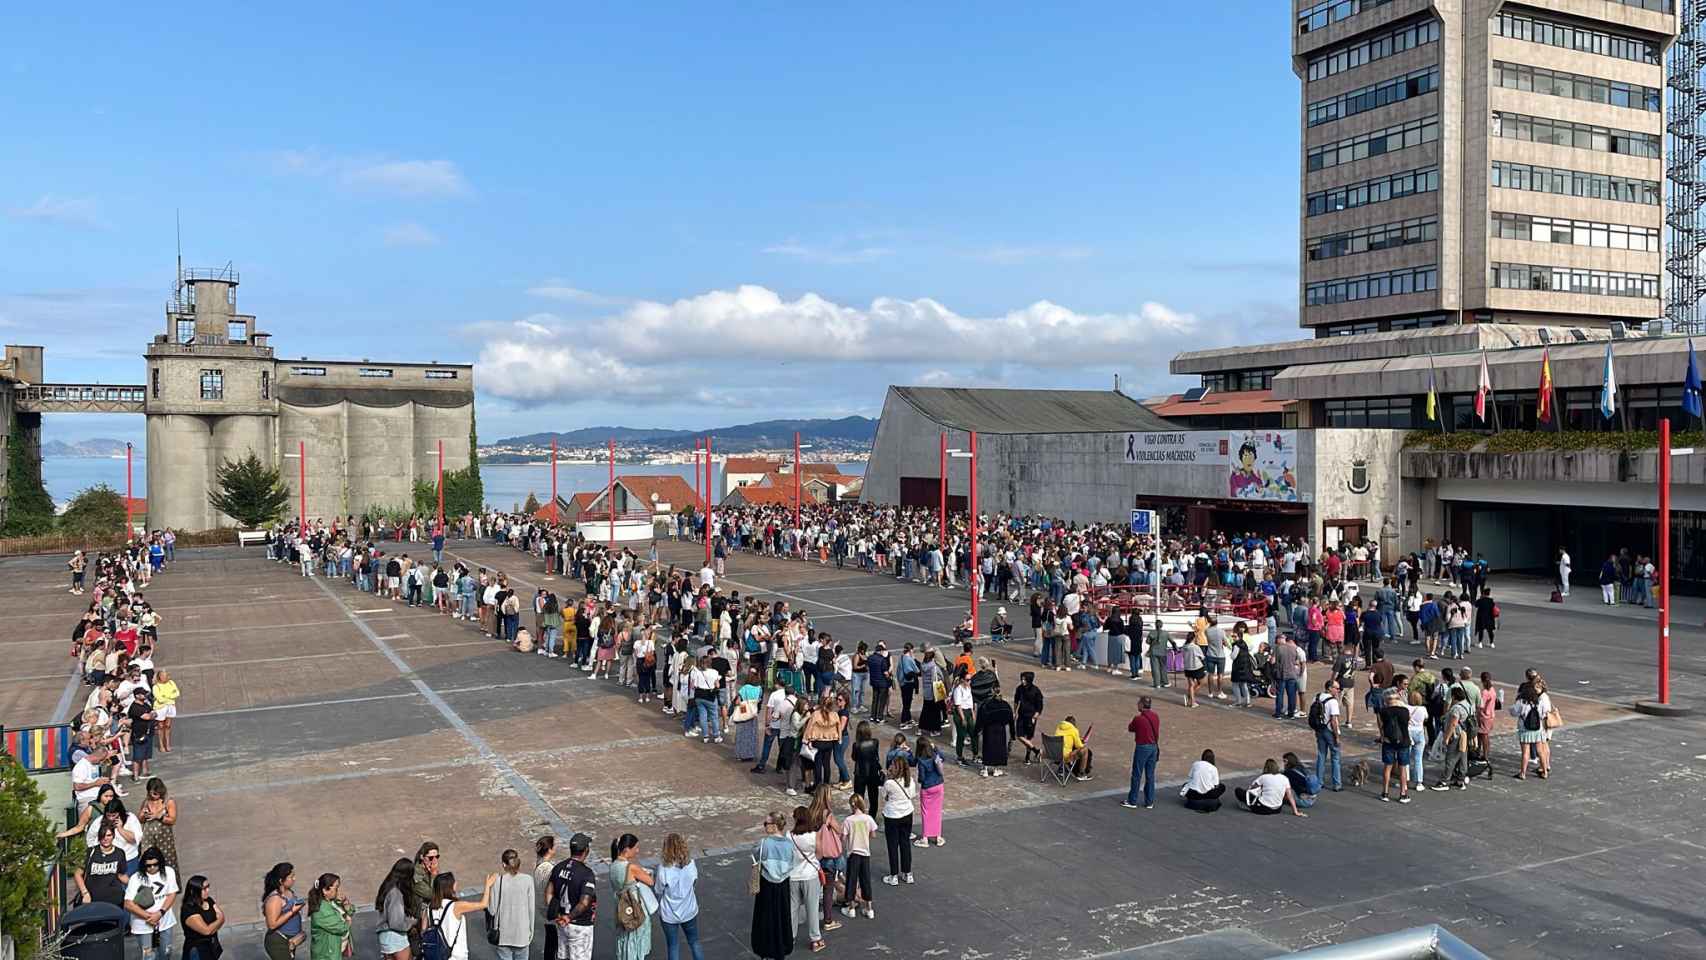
(749, 465)
(669, 488)
(757, 495)
(1218, 404)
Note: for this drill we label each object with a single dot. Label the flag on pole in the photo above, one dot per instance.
(1433, 395)
(1691, 384)
(1482, 389)
(1544, 411)
(1608, 387)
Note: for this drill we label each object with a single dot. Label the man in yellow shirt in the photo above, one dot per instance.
(1073, 748)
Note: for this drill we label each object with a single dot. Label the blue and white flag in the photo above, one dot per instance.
(1691, 384)
(1608, 390)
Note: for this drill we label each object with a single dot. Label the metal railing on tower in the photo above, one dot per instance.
(1686, 191)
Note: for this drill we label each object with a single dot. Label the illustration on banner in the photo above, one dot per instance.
(1265, 466)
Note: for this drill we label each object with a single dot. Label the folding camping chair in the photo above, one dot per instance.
(1054, 761)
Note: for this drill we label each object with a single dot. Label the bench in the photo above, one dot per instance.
(246, 538)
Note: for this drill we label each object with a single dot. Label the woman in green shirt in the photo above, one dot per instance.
(328, 920)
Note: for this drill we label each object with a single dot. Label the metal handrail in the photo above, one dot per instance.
(1432, 942)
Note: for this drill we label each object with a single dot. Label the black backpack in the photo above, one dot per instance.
(1318, 713)
(1531, 719)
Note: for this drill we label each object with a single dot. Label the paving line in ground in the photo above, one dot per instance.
(522, 786)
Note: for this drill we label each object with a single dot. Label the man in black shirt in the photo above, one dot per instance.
(574, 897)
(1486, 618)
(1395, 746)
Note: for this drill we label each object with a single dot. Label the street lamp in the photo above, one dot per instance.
(972, 524)
(1664, 706)
(129, 524)
(797, 448)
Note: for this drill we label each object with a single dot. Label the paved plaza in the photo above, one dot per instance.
(337, 731)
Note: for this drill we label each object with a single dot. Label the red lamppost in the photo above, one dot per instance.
(129, 525)
(708, 507)
(971, 525)
(441, 488)
(553, 480)
(610, 491)
(698, 497)
(1664, 706)
(796, 479)
(942, 510)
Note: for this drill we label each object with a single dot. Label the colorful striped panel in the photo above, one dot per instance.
(41, 748)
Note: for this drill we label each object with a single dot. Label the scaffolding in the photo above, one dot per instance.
(1686, 190)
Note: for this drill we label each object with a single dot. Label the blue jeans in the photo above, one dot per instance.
(708, 719)
(688, 930)
(511, 953)
(1418, 746)
(1393, 628)
(1089, 647)
(1143, 757)
(857, 697)
(1327, 755)
(1285, 697)
(1047, 658)
(157, 945)
(469, 610)
(1136, 662)
(771, 735)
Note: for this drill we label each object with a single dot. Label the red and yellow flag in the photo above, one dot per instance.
(1545, 404)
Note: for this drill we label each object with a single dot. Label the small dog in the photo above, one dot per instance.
(1359, 773)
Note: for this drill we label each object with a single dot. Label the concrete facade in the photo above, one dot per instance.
(1461, 48)
(369, 430)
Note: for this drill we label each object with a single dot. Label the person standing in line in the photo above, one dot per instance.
(1288, 667)
(899, 800)
(805, 887)
(1243, 670)
(1159, 641)
(1324, 718)
(859, 830)
(282, 910)
(202, 917)
(635, 943)
(1145, 728)
(449, 913)
(932, 789)
(772, 929)
(1531, 708)
(513, 898)
(329, 920)
(1456, 738)
(961, 700)
(574, 895)
(995, 732)
(1393, 722)
(149, 897)
(1491, 701)
(1214, 659)
(678, 903)
(544, 861)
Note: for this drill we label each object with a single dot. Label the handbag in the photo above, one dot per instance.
(1553, 719)
(492, 914)
(744, 710)
(752, 879)
(940, 690)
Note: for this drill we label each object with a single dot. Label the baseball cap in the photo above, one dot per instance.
(580, 843)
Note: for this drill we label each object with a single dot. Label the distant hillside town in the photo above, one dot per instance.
(847, 440)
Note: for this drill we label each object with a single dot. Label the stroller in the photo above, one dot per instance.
(1263, 685)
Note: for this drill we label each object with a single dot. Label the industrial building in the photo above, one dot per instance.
(361, 432)
(367, 430)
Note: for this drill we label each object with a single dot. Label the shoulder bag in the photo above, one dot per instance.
(492, 914)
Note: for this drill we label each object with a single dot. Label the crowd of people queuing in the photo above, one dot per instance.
(760, 679)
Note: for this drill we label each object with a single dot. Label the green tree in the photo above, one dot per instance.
(96, 511)
(248, 491)
(26, 848)
(426, 498)
(532, 506)
(29, 510)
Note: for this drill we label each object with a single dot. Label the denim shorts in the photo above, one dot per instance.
(392, 942)
(1214, 665)
(1391, 753)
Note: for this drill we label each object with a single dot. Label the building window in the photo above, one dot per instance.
(307, 371)
(1598, 283)
(156, 382)
(1392, 283)
(1396, 90)
(1378, 48)
(1396, 413)
(237, 331)
(1351, 329)
(1377, 190)
(213, 384)
(1581, 39)
(1574, 183)
(1555, 83)
(1662, 6)
(186, 331)
(1384, 236)
(378, 372)
(1582, 136)
(441, 374)
(1234, 381)
(1397, 137)
(1319, 15)
(266, 384)
(1418, 323)
(1579, 233)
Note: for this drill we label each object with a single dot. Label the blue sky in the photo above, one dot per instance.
(663, 215)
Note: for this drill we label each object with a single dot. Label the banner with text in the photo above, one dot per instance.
(1180, 448)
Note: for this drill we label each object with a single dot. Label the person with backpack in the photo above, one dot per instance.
(1456, 738)
(1324, 720)
(635, 901)
(1531, 709)
(446, 935)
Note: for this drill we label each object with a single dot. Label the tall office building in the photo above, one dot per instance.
(1481, 161)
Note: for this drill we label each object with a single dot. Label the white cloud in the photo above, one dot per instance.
(403, 178)
(561, 290)
(832, 255)
(1008, 255)
(66, 211)
(651, 350)
(410, 234)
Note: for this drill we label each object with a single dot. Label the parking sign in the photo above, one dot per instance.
(1143, 522)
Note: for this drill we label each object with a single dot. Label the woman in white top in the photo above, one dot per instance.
(150, 898)
(1531, 709)
(449, 915)
(804, 887)
(1203, 788)
(1270, 793)
(897, 800)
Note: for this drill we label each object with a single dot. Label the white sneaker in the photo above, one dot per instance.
(716, 739)
(690, 734)
(870, 913)
(892, 880)
(849, 912)
(907, 878)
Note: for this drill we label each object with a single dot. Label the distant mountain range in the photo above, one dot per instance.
(98, 447)
(846, 432)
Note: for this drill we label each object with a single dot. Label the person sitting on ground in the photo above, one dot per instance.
(1270, 792)
(1202, 789)
(1305, 785)
(1076, 753)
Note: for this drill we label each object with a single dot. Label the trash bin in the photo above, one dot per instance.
(94, 931)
